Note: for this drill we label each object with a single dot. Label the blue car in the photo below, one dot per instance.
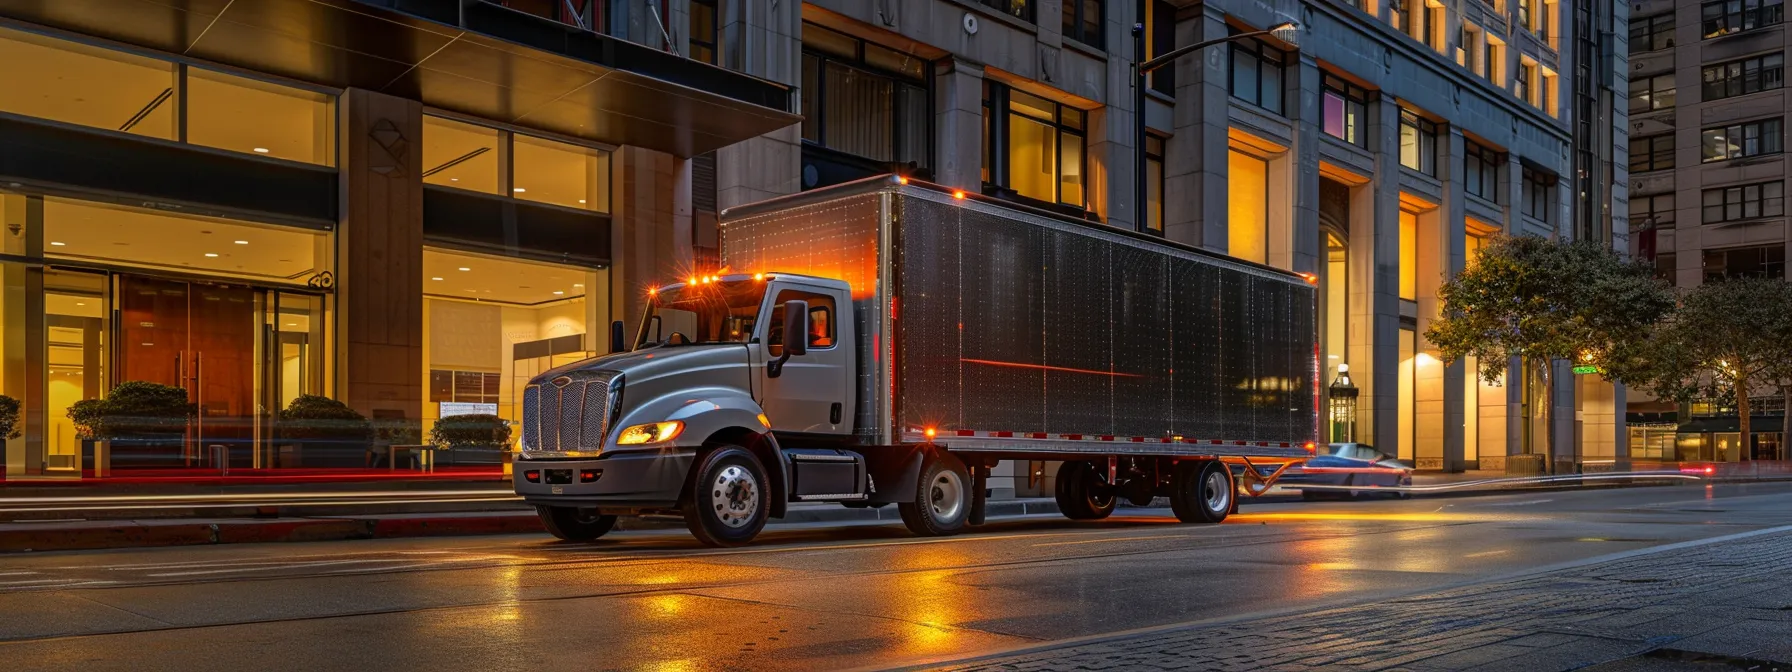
(1350, 465)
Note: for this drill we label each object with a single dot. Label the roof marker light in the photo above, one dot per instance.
(758, 276)
(930, 433)
(692, 281)
(901, 180)
(958, 194)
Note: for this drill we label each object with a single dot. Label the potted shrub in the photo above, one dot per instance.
(327, 432)
(9, 423)
(472, 439)
(137, 424)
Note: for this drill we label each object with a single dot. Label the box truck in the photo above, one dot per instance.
(891, 342)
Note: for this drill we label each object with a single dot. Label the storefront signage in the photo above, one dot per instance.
(453, 408)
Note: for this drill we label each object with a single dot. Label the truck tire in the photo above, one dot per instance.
(729, 498)
(1202, 491)
(1082, 493)
(942, 503)
(574, 524)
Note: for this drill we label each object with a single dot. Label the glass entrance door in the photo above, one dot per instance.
(75, 319)
(200, 337)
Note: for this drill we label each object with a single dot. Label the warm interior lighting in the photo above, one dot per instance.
(242, 242)
(261, 150)
(58, 243)
(463, 268)
(211, 254)
(436, 279)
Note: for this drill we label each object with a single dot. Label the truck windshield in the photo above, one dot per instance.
(715, 312)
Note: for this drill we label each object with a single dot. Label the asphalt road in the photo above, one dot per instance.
(804, 598)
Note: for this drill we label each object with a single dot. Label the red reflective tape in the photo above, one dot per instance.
(1138, 439)
(1264, 444)
(1216, 442)
(1037, 435)
(1072, 437)
(967, 432)
(1004, 435)
(1107, 438)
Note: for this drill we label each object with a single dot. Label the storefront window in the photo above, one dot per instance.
(460, 155)
(115, 235)
(88, 86)
(255, 117)
(561, 174)
(1407, 394)
(492, 323)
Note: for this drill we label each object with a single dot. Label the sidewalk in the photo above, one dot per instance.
(1721, 603)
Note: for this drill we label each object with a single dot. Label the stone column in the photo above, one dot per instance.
(379, 244)
(1309, 243)
(24, 347)
(650, 241)
(764, 40)
(1195, 179)
(1442, 254)
(1375, 266)
(958, 114)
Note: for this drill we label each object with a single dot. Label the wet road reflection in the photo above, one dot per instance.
(803, 598)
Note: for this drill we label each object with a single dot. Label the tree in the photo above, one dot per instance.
(1728, 337)
(1542, 301)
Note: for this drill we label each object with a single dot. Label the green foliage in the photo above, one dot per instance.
(312, 417)
(1545, 300)
(133, 409)
(471, 431)
(9, 417)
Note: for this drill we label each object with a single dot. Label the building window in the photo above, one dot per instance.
(1535, 194)
(1481, 171)
(1342, 110)
(1755, 138)
(1083, 22)
(1653, 212)
(464, 387)
(1741, 202)
(1524, 14)
(1466, 52)
(865, 100)
(1727, 17)
(1418, 142)
(1154, 183)
(1020, 9)
(1257, 73)
(460, 155)
(1546, 95)
(1655, 152)
(1652, 33)
(705, 30)
(1496, 61)
(1160, 19)
(1037, 145)
(1652, 93)
(1757, 262)
(1738, 78)
(1524, 87)
(1664, 268)
(1409, 255)
(1247, 207)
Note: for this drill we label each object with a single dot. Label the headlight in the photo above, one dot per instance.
(655, 432)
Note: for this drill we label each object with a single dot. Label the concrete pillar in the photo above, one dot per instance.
(1442, 254)
(24, 347)
(958, 116)
(1308, 250)
(764, 40)
(379, 243)
(1375, 267)
(1195, 183)
(650, 232)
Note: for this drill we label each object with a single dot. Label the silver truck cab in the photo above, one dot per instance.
(707, 382)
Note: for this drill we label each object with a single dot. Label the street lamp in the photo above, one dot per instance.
(1343, 407)
(1287, 31)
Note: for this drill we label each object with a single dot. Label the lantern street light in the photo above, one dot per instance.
(1287, 31)
(1343, 406)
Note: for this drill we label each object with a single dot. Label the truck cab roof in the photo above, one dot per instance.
(811, 280)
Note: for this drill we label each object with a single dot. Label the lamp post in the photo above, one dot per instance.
(1343, 407)
(1287, 31)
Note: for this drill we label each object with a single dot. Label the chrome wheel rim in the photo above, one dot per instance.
(734, 496)
(946, 495)
(1219, 492)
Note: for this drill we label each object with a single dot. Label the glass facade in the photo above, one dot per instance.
(462, 155)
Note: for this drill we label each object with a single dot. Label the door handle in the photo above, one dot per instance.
(834, 414)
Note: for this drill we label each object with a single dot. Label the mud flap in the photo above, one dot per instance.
(979, 494)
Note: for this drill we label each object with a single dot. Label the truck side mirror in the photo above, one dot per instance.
(616, 343)
(795, 336)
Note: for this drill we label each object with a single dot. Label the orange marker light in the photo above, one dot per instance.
(692, 281)
(758, 276)
(930, 433)
(1311, 449)
(652, 291)
(958, 194)
(1310, 278)
(901, 180)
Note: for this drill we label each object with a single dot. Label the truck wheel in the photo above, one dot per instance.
(574, 524)
(1083, 492)
(1202, 491)
(942, 498)
(729, 499)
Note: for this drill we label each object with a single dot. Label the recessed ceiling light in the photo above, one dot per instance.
(465, 268)
(581, 200)
(242, 242)
(558, 293)
(58, 244)
(261, 150)
(211, 254)
(435, 278)
(292, 324)
(577, 284)
(453, 179)
(78, 303)
(519, 190)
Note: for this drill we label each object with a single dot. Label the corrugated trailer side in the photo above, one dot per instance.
(1020, 331)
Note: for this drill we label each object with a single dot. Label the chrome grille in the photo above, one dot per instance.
(568, 413)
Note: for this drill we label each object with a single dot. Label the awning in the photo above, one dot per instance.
(475, 58)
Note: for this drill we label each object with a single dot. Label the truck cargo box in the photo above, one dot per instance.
(1013, 329)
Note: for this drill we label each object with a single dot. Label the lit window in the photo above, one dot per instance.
(1726, 17)
(864, 99)
(460, 155)
(705, 33)
(77, 84)
(1037, 146)
(1247, 193)
(249, 116)
(1418, 142)
(560, 174)
(1652, 93)
(1342, 110)
(1736, 141)
(1409, 255)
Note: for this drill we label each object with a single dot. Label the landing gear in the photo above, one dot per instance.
(1083, 492)
(942, 503)
(1201, 491)
(573, 524)
(728, 499)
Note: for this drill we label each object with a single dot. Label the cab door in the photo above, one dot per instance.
(811, 394)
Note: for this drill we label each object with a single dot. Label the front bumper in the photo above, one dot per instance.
(630, 480)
